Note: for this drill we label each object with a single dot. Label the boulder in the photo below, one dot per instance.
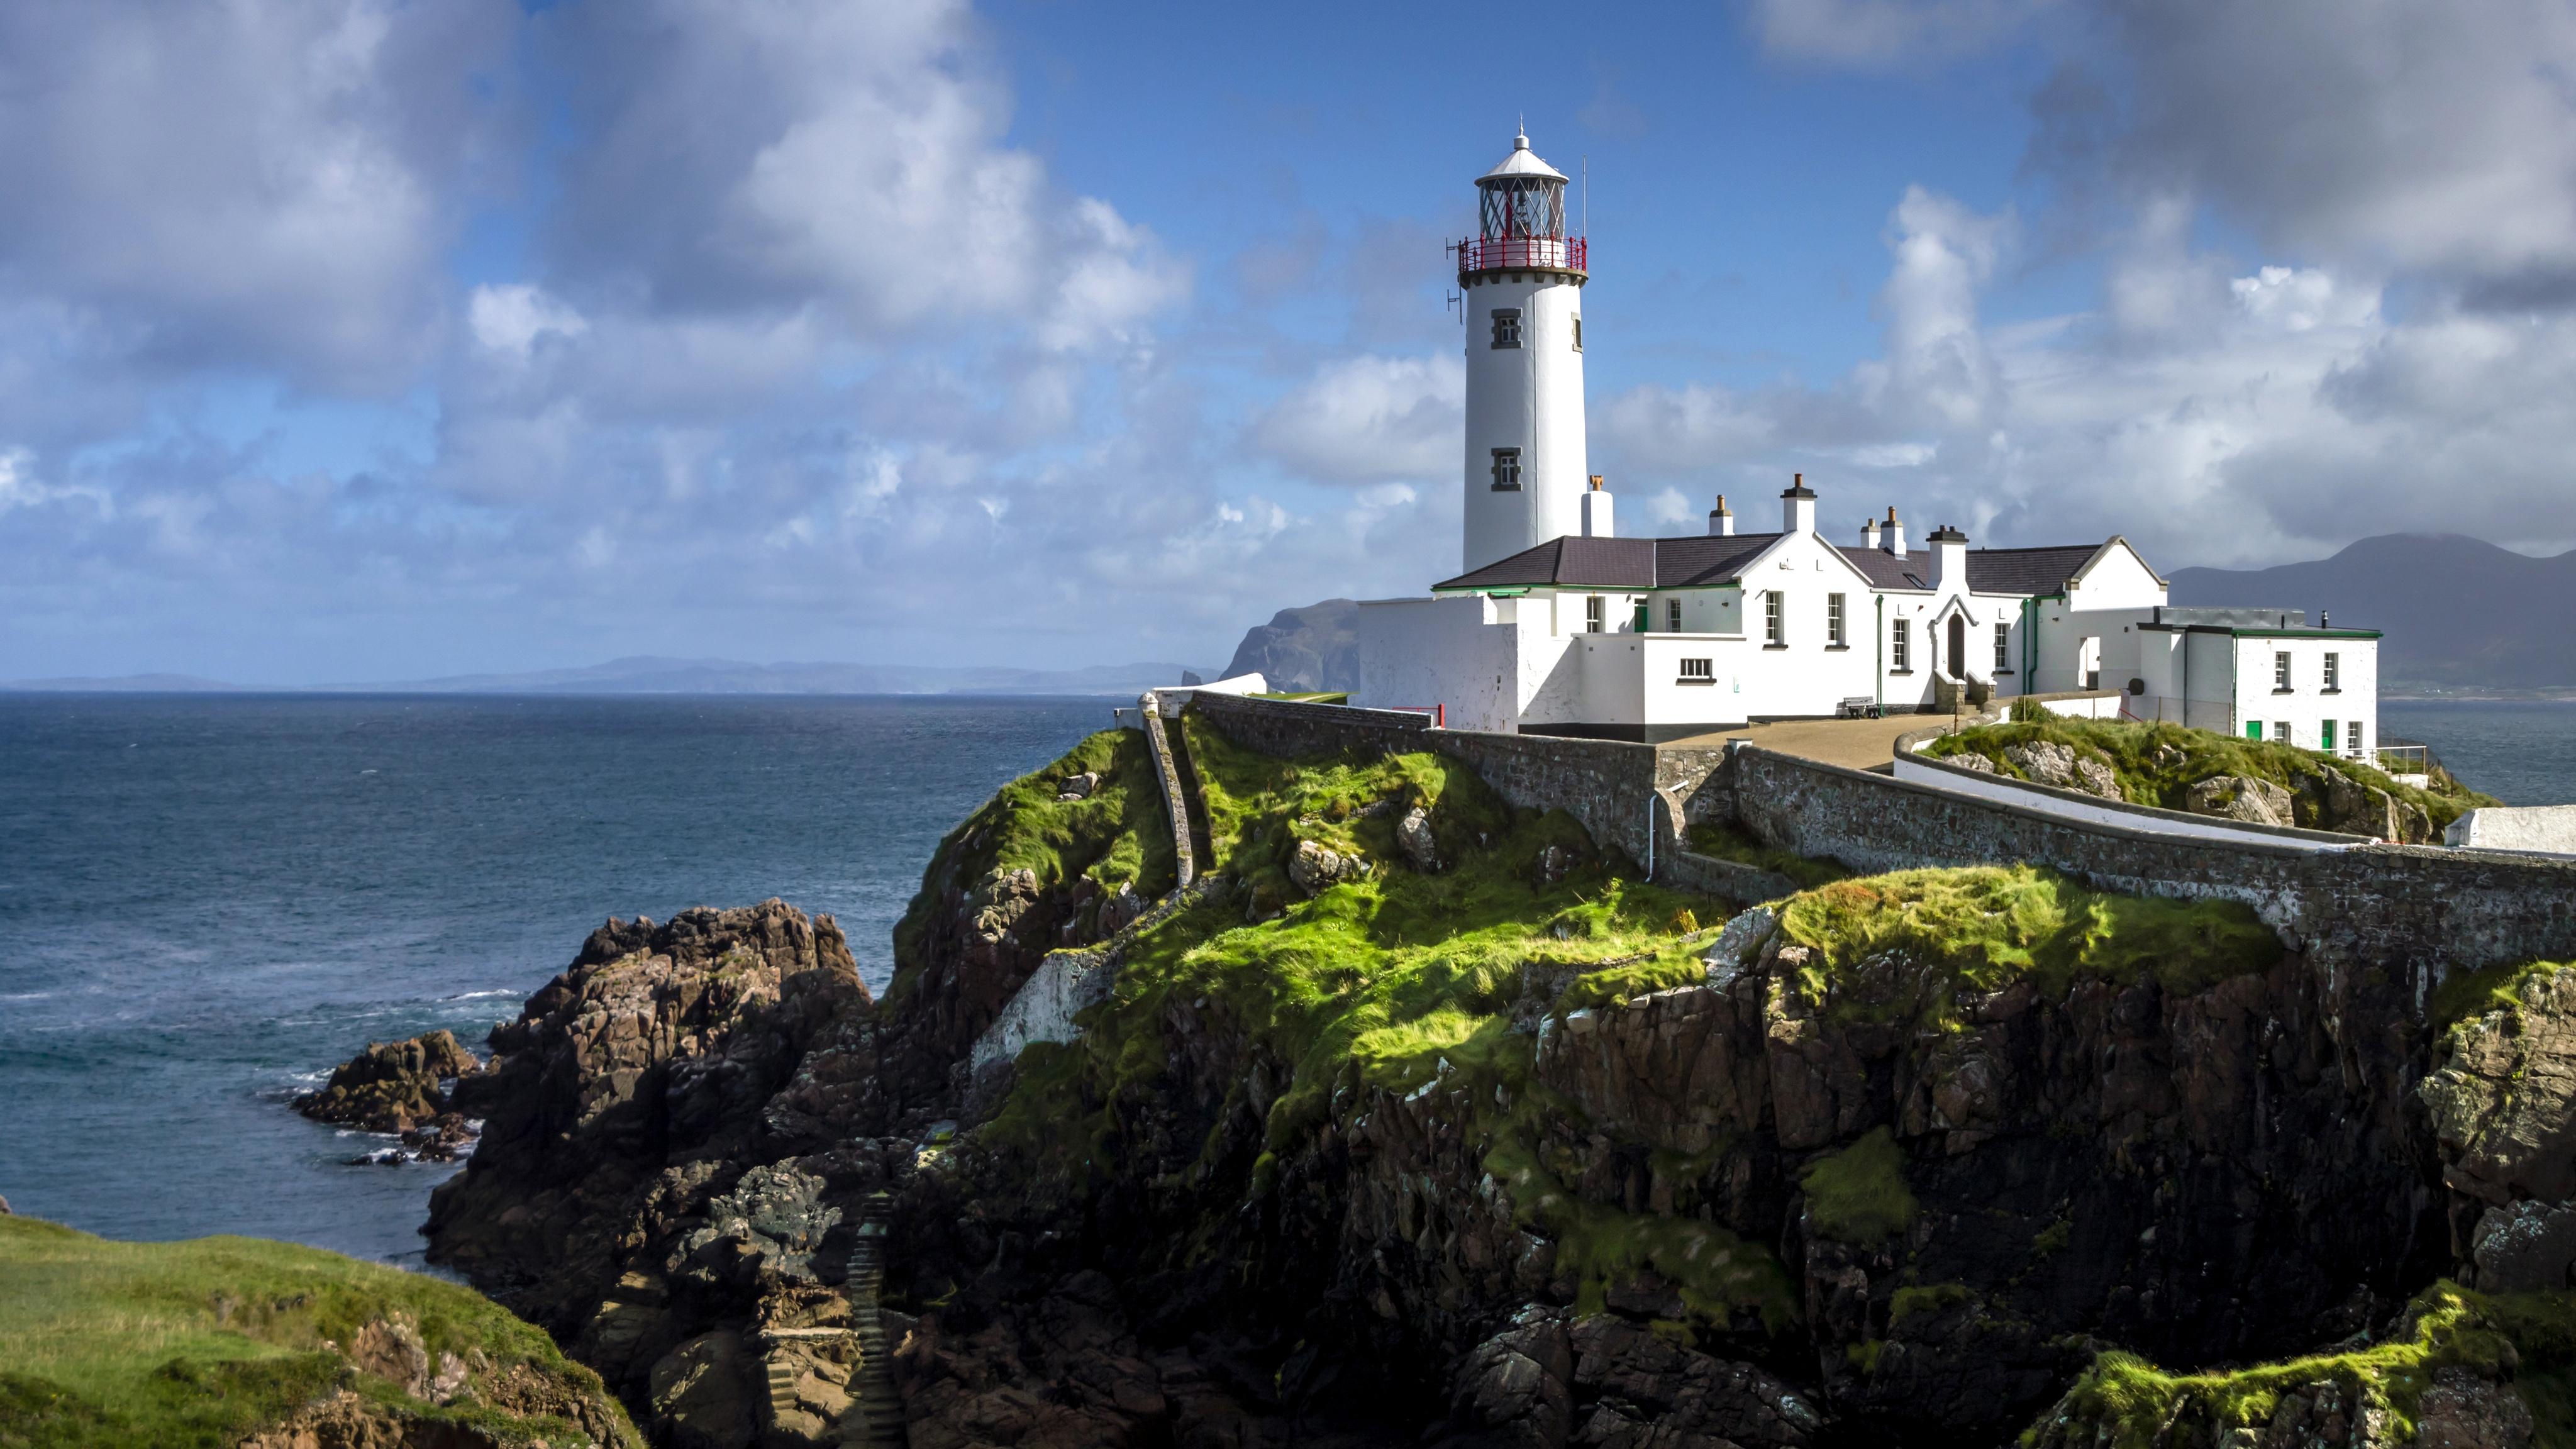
(392, 1086)
(1315, 868)
(2524, 1246)
(2239, 797)
(766, 1229)
(1971, 761)
(2503, 1099)
(701, 1391)
(1078, 787)
(1413, 833)
(1555, 863)
(2462, 1411)
(2046, 762)
(1552, 1378)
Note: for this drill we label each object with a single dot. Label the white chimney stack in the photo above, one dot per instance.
(1596, 511)
(1869, 533)
(1892, 537)
(1949, 558)
(1797, 506)
(1721, 524)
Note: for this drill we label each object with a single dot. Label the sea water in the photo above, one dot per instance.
(206, 902)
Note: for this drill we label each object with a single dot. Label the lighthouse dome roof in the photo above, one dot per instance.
(1522, 162)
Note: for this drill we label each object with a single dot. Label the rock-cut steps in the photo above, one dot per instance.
(877, 1419)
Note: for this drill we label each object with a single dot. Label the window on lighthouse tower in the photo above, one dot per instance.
(1507, 327)
(1507, 470)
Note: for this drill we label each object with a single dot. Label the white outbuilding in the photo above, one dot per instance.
(1556, 625)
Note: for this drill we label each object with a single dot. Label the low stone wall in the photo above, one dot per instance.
(1608, 785)
(2415, 910)
(2548, 829)
(1175, 804)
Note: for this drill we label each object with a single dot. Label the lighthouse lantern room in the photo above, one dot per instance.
(1522, 279)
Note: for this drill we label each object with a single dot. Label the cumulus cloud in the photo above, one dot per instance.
(261, 183)
(1370, 419)
(776, 154)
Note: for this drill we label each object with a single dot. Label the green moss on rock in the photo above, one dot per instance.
(1982, 928)
(2125, 1402)
(1859, 1195)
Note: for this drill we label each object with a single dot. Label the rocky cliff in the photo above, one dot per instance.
(1477, 1138)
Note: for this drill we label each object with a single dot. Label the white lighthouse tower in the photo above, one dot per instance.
(1522, 279)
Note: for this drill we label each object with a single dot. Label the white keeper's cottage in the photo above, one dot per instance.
(1556, 625)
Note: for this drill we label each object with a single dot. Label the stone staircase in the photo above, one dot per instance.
(877, 1419)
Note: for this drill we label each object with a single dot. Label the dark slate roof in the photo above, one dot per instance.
(1699, 561)
(2026, 570)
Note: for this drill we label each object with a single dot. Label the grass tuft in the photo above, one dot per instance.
(2530, 1337)
(1858, 1195)
(1989, 926)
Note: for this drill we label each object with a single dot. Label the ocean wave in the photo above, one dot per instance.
(480, 995)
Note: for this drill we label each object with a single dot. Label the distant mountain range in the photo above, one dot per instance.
(649, 674)
(2457, 614)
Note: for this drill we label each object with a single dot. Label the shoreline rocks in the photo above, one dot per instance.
(403, 1089)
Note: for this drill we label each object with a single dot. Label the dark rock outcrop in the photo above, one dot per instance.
(393, 1086)
(1794, 1202)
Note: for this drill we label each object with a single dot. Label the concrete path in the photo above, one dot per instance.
(1857, 744)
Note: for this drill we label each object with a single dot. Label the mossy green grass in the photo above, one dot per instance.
(1981, 928)
(1115, 836)
(2531, 1336)
(200, 1342)
(1859, 1195)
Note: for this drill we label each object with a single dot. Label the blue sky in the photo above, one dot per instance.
(371, 340)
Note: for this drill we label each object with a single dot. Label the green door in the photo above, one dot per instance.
(1641, 617)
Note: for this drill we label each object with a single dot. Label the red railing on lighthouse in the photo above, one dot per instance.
(1501, 253)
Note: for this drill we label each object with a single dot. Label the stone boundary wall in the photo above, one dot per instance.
(1609, 785)
(2416, 910)
(1150, 706)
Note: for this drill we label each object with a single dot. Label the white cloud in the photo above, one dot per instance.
(510, 318)
(1369, 419)
(259, 183)
(784, 153)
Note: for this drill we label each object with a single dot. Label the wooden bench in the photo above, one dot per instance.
(1858, 706)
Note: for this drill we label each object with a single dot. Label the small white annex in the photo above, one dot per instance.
(1556, 625)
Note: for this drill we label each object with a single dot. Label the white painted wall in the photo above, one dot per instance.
(1454, 652)
(1528, 397)
(2230, 683)
(2305, 705)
